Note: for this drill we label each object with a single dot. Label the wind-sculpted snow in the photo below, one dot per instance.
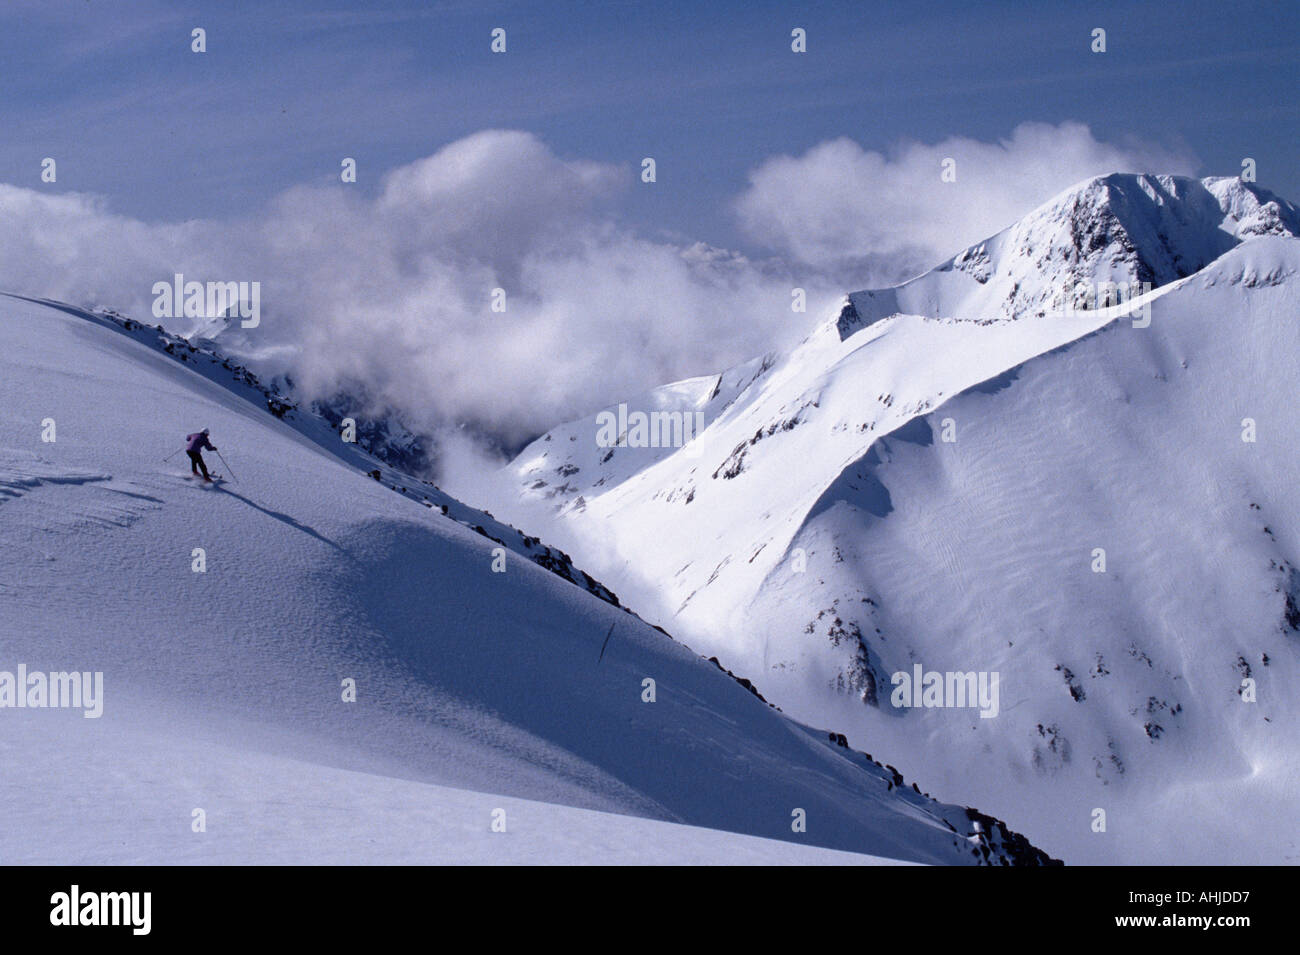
(21, 472)
(1097, 504)
(231, 623)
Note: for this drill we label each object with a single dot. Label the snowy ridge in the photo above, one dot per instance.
(1121, 229)
(475, 690)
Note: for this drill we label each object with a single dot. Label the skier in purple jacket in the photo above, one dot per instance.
(194, 446)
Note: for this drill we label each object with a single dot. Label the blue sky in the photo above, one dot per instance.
(710, 90)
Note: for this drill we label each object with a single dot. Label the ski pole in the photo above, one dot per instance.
(173, 454)
(223, 461)
(606, 643)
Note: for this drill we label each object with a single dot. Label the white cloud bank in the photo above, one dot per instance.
(394, 292)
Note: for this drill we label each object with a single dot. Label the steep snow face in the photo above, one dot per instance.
(231, 622)
(1063, 499)
(1125, 230)
(1099, 534)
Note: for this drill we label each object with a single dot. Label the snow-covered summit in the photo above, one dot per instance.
(1121, 232)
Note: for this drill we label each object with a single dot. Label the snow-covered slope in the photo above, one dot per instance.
(224, 690)
(933, 487)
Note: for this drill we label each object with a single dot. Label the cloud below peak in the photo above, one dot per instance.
(391, 295)
(840, 207)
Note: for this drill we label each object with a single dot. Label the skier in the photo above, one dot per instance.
(194, 445)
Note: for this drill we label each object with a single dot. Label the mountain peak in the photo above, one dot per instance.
(1129, 229)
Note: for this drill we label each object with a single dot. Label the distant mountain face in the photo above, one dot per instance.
(977, 473)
